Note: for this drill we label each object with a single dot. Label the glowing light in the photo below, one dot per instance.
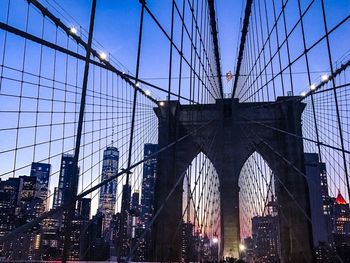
(161, 103)
(103, 56)
(325, 77)
(215, 240)
(137, 84)
(303, 94)
(73, 30)
(147, 92)
(241, 247)
(312, 87)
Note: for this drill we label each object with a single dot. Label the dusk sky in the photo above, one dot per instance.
(116, 33)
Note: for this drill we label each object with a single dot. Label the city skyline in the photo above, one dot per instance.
(175, 130)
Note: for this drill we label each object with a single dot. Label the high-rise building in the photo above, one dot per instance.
(135, 203)
(318, 192)
(66, 186)
(123, 244)
(342, 227)
(108, 192)
(265, 236)
(136, 227)
(134, 212)
(30, 203)
(93, 247)
(28, 208)
(84, 207)
(51, 242)
(148, 183)
(321, 207)
(9, 200)
(147, 196)
(42, 172)
(188, 244)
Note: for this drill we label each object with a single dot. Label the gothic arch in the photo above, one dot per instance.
(236, 138)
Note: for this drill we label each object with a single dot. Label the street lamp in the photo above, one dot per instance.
(242, 247)
(324, 77)
(73, 30)
(103, 56)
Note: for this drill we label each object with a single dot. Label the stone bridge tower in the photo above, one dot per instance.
(228, 132)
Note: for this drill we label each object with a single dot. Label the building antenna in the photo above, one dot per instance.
(112, 134)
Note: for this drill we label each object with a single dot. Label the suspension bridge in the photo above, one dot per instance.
(174, 160)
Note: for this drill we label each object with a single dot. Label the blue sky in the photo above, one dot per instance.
(116, 30)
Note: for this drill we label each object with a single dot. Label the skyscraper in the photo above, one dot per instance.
(147, 195)
(66, 186)
(124, 238)
(84, 207)
(265, 237)
(108, 192)
(9, 200)
(148, 183)
(342, 227)
(134, 212)
(318, 193)
(42, 172)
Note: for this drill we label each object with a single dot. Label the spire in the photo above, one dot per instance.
(112, 134)
(340, 199)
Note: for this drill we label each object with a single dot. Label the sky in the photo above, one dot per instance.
(116, 28)
(116, 33)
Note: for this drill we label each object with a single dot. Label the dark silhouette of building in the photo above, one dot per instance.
(84, 207)
(108, 192)
(42, 172)
(9, 200)
(147, 195)
(342, 227)
(188, 243)
(10, 196)
(148, 182)
(124, 237)
(51, 241)
(93, 246)
(65, 184)
(26, 246)
(320, 202)
(248, 253)
(266, 239)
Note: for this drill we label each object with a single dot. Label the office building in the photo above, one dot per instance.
(108, 192)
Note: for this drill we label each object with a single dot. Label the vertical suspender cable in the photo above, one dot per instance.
(73, 177)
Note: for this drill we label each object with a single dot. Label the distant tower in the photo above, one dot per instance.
(65, 184)
(148, 183)
(84, 207)
(265, 238)
(342, 227)
(147, 195)
(318, 192)
(108, 192)
(42, 172)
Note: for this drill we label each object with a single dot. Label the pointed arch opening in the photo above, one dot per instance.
(259, 218)
(201, 224)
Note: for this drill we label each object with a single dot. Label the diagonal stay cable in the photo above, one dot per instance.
(165, 201)
(94, 188)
